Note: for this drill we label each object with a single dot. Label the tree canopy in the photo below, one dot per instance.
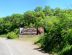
(33, 18)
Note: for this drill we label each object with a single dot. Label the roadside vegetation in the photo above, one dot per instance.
(57, 24)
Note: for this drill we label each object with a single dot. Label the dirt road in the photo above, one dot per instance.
(16, 47)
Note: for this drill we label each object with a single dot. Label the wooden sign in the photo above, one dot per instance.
(28, 31)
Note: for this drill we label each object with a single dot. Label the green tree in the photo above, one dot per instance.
(48, 11)
(37, 9)
(29, 18)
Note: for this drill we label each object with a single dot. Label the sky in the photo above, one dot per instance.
(9, 7)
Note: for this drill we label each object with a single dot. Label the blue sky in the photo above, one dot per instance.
(8, 7)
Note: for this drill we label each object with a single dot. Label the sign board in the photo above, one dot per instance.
(28, 31)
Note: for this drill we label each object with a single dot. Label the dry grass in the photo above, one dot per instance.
(3, 36)
(30, 38)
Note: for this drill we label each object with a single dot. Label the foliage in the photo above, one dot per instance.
(29, 18)
(66, 51)
(37, 9)
(16, 31)
(58, 31)
(52, 40)
(67, 36)
(12, 35)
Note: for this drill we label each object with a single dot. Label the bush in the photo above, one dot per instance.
(12, 35)
(66, 51)
(16, 31)
(51, 43)
(52, 40)
(68, 36)
(58, 34)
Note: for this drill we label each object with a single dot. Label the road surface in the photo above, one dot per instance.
(16, 47)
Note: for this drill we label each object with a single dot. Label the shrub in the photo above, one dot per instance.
(16, 31)
(12, 35)
(68, 37)
(52, 40)
(51, 43)
(66, 51)
(58, 34)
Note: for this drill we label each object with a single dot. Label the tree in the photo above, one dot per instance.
(57, 11)
(17, 20)
(29, 18)
(48, 11)
(37, 9)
